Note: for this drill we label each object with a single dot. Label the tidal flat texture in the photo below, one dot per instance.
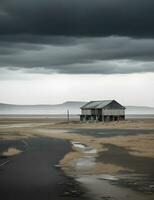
(34, 173)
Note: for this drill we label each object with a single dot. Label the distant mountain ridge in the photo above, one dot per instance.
(72, 106)
(139, 110)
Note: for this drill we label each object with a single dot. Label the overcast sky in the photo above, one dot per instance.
(53, 51)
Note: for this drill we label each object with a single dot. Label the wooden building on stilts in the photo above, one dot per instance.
(107, 110)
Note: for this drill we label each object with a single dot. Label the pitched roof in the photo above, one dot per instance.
(97, 104)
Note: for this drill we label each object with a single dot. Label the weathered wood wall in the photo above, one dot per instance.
(114, 112)
(86, 112)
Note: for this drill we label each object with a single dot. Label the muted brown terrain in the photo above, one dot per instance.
(131, 153)
(127, 124)
(75, 123)
(137, 145)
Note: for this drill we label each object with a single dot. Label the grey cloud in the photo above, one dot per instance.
(103, 67)
(73, 36)
(132, 18)
(37, 39)
(7, 48)
(84, 51)
(84, 56)
(110, 67)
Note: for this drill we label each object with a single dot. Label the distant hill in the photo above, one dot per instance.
(139, 110)
(72, 106)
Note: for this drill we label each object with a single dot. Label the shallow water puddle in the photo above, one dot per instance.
(78, 145)
(90, 150)
(87, 161)
(100, 187)
(108, 177)
(84, 163)
(84, 148)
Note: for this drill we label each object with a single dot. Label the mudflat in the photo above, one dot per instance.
(34, 174)
(119, 153)
(74, 123)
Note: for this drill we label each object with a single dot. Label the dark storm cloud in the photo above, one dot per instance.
(97, 55)
(39, 39)
(132, 18)
(7, 48)
(108, 67)
(77, 36)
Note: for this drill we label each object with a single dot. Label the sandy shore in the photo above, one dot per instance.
(118, 149)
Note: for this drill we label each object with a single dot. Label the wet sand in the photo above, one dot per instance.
(104, 189)
(121, 156)
(121, 150)
(33, 175)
